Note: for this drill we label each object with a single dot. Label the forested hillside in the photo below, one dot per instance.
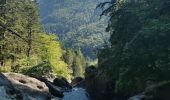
(24, 47)
(76, 22)
(44, 56)
(138, 59)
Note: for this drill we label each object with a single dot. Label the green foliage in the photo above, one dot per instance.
(25, 44)
(40, 70)
(78, 64)
(76, 22)
(76, 61)
(140, 43)
(54, 53)
(90, 62)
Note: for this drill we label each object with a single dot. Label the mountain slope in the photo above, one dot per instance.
(76, 22)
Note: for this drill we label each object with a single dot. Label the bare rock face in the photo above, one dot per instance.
(23, 87)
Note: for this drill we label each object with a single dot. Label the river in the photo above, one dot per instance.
(76, 94)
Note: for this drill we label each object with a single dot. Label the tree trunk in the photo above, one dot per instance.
(2, 47)
(29, 42)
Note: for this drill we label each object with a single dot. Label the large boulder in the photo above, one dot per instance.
(62, 82)
(57, 87)
(23, 87)
(5, 94)
(55, 90)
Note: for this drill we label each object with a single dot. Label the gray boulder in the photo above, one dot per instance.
(22, 87)
(53, 89)
(4, 94)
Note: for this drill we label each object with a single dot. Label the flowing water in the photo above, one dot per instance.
(76, 94)
(137, 97)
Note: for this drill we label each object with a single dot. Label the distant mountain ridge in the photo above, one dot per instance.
(76, 22)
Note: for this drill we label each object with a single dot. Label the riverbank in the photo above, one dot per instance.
(15, 86)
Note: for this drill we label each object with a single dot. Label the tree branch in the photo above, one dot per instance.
(11, 31)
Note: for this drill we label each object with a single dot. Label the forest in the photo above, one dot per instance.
(76, 22)
(84, 49)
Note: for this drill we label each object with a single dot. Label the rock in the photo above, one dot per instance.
(54, 90)
(61, 82)
(67, 83)
(4, 95)
(24, 87)
(78, 82)
(7, 89)
(158, 92)
(21, 81)
(4, 81)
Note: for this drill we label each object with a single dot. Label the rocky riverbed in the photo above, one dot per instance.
(14, 86)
